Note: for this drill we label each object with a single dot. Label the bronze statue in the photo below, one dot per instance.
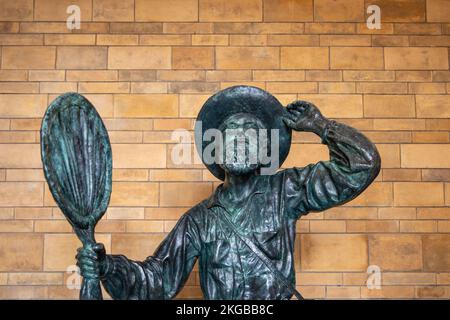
(243, 235)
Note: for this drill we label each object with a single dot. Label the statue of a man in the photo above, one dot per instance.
(243, 235)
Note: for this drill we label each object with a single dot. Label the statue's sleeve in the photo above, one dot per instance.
(354, 164)
(160, 276)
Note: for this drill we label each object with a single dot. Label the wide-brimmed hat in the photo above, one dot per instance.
(242, 99)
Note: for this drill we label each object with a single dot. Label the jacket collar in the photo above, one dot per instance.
(258, 185)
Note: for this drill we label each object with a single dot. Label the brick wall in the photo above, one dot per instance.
(149, 65)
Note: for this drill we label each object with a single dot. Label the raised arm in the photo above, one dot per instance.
(160, 276)
(354, 164)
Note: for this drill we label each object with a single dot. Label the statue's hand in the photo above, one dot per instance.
(305, 116)
(92, 261)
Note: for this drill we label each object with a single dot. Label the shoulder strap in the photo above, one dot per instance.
(253, 247)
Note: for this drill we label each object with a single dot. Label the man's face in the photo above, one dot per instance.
(240, 152)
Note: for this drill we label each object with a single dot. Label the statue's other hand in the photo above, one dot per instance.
(92, 261)
(305, 116)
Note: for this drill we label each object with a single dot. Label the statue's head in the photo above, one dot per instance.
(241, 143)
(242, 115)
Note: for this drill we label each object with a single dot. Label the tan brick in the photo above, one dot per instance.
(130, 175)
(21, 10)
(438, 11)
(401, 175)
(146, 105)
(21, 252)
(350, 213)
(361, 226)
(21, 39)
(175, 175)
(69, 39)
(418, 194)
(304, 58)
(188, 27)
(418, 226)
(9, 27)
(323, 75)
(16, 226)
(231, 75)
(436, 255)
(128, 194)
(248, 40)
(425, 156)
(210, 40)
(336, 87)
(135, 246)
(399, 125)
(183, 194)
(247, 57)
(171, 10)
(389, 106)
(139, 155)
(192, 58)
(417, 28)
(433, 106)
(329, 28)
(125, 213)
(193, 87)
(74, 57)
(19, 87)
(33, 213)
(230, 10)
(28, 57)
(397, 213)
(14, 75)
(339, 10)
(172, 124)
(21, 194)
(330, 226)
(343, 292)
(52, 226)
(322, 278)
(11, 156)
(345, 40)
(139, 58)
(436, 174)
(356, 58)
(433, 213)
(415, 58)
(292, 87)
(388, 292)
(389, 137)
(60, 250)
(293, 40)
(288, 10)
(103, 87)
(390, 41)
(25, 175)
(337, 106)
(57, 87)
(117, 39)
(382, 87)
(350, 75)
(89, 75)
(56, 10)
(333, 252)
(145, 226)
(377, 194)
(149, 87)
(116, 10)
(396, 252)
(401, 10)
(35, 278)
(125, 137)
